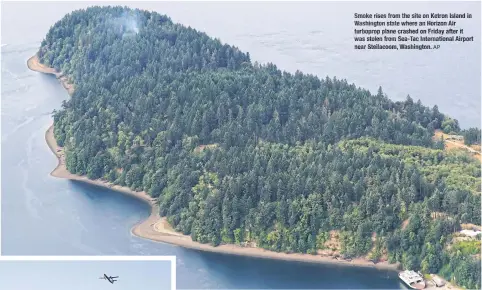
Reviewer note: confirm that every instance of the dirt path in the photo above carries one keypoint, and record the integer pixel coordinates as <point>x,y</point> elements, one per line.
<point>451,144</point>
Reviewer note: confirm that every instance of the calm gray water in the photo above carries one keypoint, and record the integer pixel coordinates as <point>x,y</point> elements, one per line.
<point>43,215</point>
<point>81,275</point>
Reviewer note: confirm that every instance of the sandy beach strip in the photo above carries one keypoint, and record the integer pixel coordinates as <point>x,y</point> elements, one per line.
<point>156,228</point>
<point>34,64</point>
<point>61,171</point>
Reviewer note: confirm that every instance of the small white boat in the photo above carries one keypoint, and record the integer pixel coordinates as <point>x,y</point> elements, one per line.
<point>412,279</point>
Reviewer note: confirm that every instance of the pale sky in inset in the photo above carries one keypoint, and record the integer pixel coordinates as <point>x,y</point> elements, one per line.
<point>77,275</point>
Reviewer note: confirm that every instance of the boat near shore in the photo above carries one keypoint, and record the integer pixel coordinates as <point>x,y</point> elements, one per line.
<point>412,279</point>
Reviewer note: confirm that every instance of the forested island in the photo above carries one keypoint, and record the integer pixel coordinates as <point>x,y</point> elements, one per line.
<point>237,152</point>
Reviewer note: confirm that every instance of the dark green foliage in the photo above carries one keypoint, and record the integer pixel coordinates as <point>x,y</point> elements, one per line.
<point>450,126</point>
<point>471,136</point>
<point>149,93</point>
<point>458,170</point>
<point>462,269</point>
<point>470,247</point>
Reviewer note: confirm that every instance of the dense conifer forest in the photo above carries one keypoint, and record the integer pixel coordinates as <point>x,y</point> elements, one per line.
<point>238,152</point>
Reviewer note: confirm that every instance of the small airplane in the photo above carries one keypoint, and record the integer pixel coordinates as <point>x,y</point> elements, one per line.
<point>109,278</point>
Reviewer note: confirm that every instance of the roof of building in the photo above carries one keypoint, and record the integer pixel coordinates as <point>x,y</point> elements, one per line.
<point>470,233</point>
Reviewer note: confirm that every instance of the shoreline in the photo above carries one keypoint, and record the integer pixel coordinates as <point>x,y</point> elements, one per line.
<point>157,229</point>
<point>34,64</point>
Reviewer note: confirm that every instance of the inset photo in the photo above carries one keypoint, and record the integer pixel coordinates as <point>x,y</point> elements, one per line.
<point>88,272</point>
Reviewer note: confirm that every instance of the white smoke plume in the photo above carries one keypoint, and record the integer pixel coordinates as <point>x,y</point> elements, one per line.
<point>127,24</point>
<point>131,23</point>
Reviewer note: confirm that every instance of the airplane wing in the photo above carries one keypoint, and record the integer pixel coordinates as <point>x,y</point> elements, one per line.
<point>110,280</point>
<point>114,277</point>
